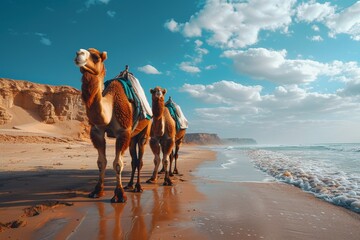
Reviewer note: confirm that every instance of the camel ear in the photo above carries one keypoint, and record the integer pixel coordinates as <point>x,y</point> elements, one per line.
<point>104,56</point>
<point>164,91</point>
<point>152,90</point>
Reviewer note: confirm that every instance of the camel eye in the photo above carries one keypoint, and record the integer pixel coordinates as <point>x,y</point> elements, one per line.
<point>95,58</point>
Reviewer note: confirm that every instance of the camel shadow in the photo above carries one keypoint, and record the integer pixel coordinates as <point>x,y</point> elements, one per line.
<point>23,189</point>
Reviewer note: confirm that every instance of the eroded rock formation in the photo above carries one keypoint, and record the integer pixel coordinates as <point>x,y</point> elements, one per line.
<point>48,103</point>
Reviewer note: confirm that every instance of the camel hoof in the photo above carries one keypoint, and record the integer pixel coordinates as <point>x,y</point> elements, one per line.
<point>176,171</point>
<point>161,171</point>
<point>171,174</point>
<point>138,188</point>
<point>119,196</point>
<point>115,199</point>
<point>151,180</point>
<point>96,194</point>
<point>98,191</point>
<point>129,187</point>
<point>168,182</point>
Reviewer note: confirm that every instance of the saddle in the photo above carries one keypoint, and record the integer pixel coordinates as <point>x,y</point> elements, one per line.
<point>135,95</point>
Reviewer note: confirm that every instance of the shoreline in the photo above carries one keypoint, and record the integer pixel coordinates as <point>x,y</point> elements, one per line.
<point>193,208</point>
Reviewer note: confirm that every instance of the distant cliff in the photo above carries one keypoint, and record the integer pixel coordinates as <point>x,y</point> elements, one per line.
<point>214,139</point>
<point>202,138</point>
<point>239,141</point>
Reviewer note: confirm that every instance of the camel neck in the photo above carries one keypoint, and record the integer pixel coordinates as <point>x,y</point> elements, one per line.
<point>158,107</point>
<point>91,89</point>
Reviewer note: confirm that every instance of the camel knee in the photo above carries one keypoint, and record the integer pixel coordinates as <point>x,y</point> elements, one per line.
<point>165,162</point>
<point>118,167</point>
<point>154,142</point>
<point>101,164</point>
<point>155,146</point>
<point>156,160</point>
<point>143,141</point>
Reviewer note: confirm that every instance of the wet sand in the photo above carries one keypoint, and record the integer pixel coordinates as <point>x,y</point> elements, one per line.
<point>54,179</point>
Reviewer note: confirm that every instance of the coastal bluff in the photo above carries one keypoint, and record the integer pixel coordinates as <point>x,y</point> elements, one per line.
<point>239,141</point>
<point>214,139</point>
<point>202,139</point>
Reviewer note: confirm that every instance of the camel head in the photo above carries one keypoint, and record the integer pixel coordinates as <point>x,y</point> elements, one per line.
<point>91,61</point>
<point>158,93</point>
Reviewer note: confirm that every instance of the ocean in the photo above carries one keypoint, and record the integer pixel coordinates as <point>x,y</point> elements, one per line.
<point>329,171</point>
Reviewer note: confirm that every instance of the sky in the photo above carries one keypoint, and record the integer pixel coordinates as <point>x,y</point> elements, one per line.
<point>278,71</point>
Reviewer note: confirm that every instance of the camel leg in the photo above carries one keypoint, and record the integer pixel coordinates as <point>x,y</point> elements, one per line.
<point>155,148</point>
<point>98,139</point>
<point>171,162</point>
<point>122,143</point>
<point>167,146</point>
<point>133,155</point>
<point>162,170</point>
<point>139,162</point>
<point>176,155</point>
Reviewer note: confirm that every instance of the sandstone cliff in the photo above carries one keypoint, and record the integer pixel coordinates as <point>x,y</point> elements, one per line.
<point>22,102</point>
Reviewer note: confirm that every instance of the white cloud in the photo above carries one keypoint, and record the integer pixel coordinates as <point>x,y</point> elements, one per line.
<point>346,21</point>
<point>316,38</point>
<point>237,24</point>
<point>195,59</point>
<point>211,67</point>
<point>234,24</point>
<point>188,67</point>
<point>315,28</point>
<point>148,69</point>
<point>313,11</point>
<point>111,13</point>
<point>286,114</point>
<point>89,3</point>
<point>172,25</point>
<point>264,64</point>
<point>43,39</point>
<point>199,51</point>
<point>227,92</point>
<point>271,65</point>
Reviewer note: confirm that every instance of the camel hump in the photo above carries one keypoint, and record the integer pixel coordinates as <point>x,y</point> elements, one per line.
<point>135,94</point>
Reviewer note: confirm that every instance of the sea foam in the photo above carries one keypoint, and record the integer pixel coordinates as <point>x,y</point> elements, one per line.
<point>319,177</point>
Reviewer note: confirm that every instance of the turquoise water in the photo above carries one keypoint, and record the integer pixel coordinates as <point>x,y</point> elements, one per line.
<point>329,171</point>
<point>231,165</point>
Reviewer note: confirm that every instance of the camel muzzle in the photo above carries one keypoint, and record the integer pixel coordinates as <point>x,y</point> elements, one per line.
<point>81,57</point>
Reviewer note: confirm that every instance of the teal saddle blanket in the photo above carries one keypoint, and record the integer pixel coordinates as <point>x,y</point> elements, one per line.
<point>132,97</point>
<point>172,110</point>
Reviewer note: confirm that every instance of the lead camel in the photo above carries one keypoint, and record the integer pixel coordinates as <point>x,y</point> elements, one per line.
<point>110,111</point>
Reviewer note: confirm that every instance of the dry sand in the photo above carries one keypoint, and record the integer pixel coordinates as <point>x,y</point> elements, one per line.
<point>45,179</point>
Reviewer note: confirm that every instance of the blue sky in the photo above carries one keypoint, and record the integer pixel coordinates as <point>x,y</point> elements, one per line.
<point>281,71</point>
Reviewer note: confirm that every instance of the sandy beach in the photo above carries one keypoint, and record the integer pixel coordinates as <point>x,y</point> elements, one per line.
<point>45,181</point>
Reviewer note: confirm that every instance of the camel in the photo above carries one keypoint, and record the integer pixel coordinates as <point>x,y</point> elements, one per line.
<point>180,134</point>
<point>109,111</point>
<point>163,136</point>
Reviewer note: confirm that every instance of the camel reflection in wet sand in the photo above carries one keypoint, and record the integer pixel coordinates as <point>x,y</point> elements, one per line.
<point>144,214</point>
